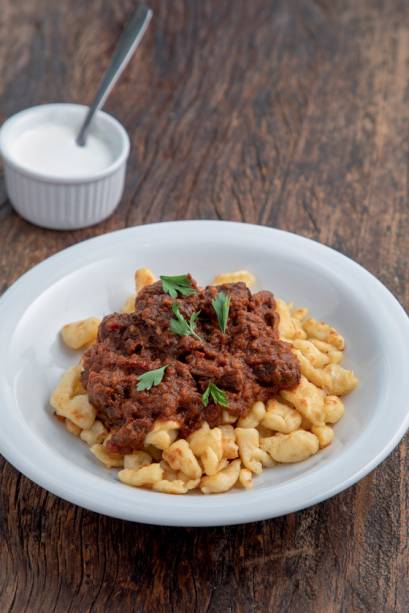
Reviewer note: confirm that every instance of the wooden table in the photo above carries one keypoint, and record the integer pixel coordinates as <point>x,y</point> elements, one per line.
<point>292,114</point>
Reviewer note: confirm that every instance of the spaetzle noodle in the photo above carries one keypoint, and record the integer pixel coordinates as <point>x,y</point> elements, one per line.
<point>290,427</point>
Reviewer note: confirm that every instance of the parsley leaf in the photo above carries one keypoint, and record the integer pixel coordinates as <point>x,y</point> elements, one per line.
<point>150,378</point>
<point>179,284</point>
<point>218,395</point>
<point>182,327</point>
<point>221,305</point>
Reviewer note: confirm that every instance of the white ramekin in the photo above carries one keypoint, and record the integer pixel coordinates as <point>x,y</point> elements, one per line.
<point>59,202</point>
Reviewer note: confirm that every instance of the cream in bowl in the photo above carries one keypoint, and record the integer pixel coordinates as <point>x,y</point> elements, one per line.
<point>51,146</point>
<point>53,182</point>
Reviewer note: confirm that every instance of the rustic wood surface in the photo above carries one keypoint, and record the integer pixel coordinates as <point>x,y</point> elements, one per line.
<point>292,114</point>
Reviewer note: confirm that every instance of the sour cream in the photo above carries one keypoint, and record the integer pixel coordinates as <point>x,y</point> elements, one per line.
<point>50,149</point>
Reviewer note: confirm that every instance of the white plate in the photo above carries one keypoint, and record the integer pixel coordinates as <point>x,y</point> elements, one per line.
<point>95,277</point>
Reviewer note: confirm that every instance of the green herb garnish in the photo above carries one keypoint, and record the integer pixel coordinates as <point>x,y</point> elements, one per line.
<point>181,326</point>
<point>221,305</point>
<point>218,395</point>
<point>181,284</point>
<point>150,378</point>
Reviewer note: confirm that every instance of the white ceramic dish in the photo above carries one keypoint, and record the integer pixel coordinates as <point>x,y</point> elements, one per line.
<point>94,277</point>
<point>62,202</point>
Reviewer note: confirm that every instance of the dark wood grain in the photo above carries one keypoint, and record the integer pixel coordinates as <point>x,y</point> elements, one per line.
<point>293,114</point>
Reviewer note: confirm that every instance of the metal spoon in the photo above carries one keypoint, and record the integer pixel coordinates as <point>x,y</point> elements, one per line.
<point>130,39</point>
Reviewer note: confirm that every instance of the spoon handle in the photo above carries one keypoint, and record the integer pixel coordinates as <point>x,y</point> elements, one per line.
<point>130,39</point>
